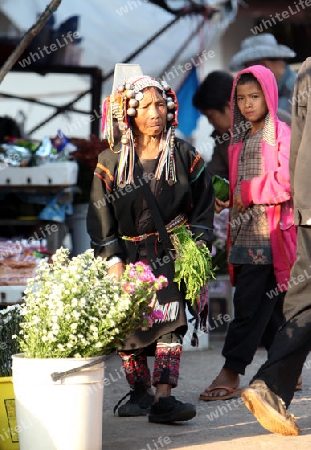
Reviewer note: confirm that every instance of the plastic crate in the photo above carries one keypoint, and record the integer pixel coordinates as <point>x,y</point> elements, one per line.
<point>11,294</point>
<point>53,174</point>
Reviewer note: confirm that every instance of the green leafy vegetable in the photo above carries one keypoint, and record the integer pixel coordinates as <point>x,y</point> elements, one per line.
<point>193,263</point>
<point>221,188</point>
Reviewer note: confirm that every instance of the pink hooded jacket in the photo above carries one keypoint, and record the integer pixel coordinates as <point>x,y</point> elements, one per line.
<point>272,188</point>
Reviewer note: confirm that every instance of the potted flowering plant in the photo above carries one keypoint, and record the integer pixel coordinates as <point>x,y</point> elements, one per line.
<point>73,314</point>
<point>73,309</point>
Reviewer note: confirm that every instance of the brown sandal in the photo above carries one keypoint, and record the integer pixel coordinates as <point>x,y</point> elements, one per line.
<point>231,393</point>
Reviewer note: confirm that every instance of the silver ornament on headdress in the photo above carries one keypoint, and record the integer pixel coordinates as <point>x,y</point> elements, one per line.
<point>140,83</point>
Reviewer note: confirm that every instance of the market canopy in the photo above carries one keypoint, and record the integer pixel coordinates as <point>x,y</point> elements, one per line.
<point>165,40</point>
<point>112,30</point>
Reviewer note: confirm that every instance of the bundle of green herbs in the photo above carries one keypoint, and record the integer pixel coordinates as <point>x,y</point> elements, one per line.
<point>193,263</point>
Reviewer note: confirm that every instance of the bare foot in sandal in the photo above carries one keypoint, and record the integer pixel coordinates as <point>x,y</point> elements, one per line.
<point>224,386</point>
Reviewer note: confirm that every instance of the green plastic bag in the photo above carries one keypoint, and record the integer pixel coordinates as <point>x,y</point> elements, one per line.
<point>221,188</point>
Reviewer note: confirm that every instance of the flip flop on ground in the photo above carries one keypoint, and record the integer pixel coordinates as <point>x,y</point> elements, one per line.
<point>210,398</point>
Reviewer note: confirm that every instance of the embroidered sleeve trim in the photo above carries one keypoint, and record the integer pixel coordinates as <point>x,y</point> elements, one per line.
<point>106,170</point>
<point>198,174</point>
<point>104,180</point>
<point>196,160</point>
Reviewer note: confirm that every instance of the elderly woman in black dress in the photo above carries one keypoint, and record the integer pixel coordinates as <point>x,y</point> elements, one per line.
<point>121,224</point>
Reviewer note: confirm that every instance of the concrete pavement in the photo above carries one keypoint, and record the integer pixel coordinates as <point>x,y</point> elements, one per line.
<point>219,425</point>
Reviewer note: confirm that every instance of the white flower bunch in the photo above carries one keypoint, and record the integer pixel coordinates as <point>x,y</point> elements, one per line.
<point>74,309</point>
<point>10,319</point>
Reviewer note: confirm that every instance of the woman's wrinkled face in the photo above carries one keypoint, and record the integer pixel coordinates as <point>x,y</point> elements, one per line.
<point>151,113</point>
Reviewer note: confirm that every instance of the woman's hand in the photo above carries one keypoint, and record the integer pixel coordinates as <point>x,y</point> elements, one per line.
<point>238,204</point>
<point>116,270</point>
<point>219,205</point>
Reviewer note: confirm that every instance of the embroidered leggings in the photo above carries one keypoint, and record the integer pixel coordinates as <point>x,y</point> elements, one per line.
<point>166,365</point>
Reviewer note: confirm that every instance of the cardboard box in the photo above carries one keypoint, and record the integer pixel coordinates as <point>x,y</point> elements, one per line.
<point>49,174</point>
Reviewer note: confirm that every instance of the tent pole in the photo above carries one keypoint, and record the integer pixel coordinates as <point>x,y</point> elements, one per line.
<point>182,47</point>
<point>28,37</point>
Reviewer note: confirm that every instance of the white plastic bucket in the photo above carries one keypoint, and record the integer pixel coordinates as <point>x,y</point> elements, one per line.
<point>61,415</point>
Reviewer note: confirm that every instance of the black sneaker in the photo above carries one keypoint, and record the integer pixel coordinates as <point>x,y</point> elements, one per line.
<point>269,409</point>
<point>139,403</point>
<point>168,409</point>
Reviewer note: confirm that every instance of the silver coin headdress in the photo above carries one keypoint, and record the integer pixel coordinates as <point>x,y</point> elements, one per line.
<point>120,107</point>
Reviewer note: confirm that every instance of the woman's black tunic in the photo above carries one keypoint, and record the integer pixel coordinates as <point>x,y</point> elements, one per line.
<point>114,212</point>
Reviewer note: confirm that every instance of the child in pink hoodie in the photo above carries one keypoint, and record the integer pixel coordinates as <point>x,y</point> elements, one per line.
<point>262,235</point>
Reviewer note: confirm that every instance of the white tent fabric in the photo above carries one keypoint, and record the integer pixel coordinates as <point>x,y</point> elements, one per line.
<point>112,30</point>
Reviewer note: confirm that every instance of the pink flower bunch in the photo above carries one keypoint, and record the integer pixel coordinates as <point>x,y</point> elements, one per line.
<point>139,281</point>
